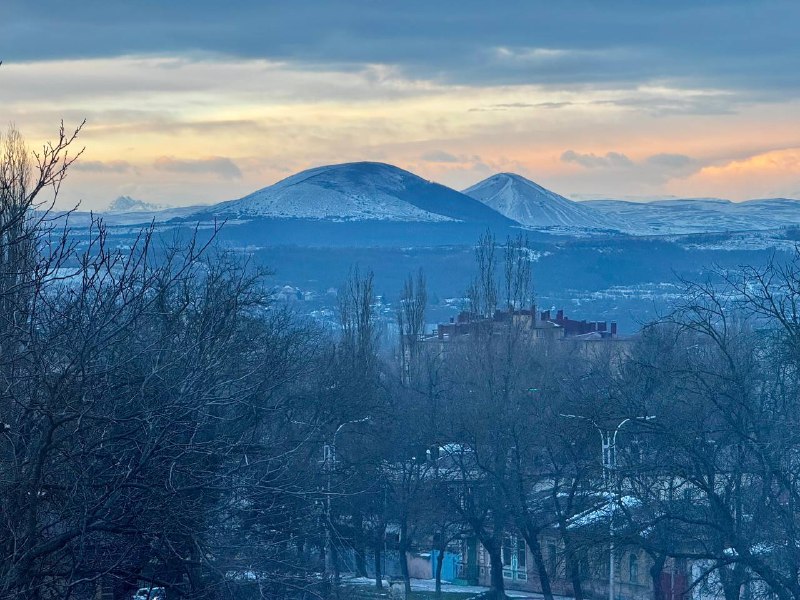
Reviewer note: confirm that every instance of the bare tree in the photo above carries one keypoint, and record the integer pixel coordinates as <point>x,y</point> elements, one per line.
<point>142,394</point>
<point>411,324</point>
<point>723,374</point>
<point>483,291</point>
<point>489,372</point>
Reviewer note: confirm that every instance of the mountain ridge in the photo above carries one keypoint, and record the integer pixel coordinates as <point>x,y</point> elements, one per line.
<point>685,216</point>
<point>361,191</point>
<point>368,193</point>
<point>532,205</point>
<point>123,204</point>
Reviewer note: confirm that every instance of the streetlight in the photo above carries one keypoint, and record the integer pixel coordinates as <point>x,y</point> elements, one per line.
<point>329,458</point>
<point>608,445</point>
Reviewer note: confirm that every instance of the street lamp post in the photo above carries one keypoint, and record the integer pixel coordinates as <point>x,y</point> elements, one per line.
<point>608,446</point>
<point>330,465</point>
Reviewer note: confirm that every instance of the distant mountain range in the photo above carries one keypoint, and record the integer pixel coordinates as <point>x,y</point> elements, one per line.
<point>609,259</point>
<point>699,215</point>
<point>371,192</point>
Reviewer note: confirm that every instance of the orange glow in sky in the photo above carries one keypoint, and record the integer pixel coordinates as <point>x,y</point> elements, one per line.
<point>187,128</point>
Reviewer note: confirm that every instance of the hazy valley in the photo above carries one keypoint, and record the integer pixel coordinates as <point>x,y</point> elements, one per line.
<point>610,259</point>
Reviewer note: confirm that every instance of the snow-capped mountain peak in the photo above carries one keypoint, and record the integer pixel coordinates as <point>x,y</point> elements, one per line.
<point>361,191</point>
<point>532,205</point>
<point>124,204</point>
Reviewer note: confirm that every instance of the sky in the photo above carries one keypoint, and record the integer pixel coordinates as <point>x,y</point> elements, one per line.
<point>198,102</point>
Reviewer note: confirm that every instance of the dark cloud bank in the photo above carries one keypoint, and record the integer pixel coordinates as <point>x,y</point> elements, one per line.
<point>750,47</point>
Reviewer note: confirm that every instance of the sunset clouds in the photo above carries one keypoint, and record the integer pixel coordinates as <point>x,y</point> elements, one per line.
<point>198,108</point>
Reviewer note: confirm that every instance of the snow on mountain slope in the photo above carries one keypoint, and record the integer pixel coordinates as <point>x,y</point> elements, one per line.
<point>701,215</point>
<point>363,191</point>
<point>128,204</point>
<point>534,206</point>
<point>134,217</point>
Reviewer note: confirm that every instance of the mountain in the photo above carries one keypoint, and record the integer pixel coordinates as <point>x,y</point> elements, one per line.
<point>128,204</point>
<point>532,205</point>
<point>700,215</point>
<point>362,191</point>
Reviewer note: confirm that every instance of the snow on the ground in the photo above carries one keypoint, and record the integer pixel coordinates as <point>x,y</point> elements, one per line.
<point>429,585</point>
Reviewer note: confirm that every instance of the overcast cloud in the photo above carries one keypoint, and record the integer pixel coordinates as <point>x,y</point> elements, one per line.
<point>733,44</point>
<point>686,97</point>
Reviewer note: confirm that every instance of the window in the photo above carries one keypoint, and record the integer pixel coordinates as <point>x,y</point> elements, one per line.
<point>515,558</point>
<point>633,568</point>
<point>522,557</point>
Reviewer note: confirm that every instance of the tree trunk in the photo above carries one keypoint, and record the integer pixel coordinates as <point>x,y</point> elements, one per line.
<point>403,548</point>
<point>439,564</point>
<point>571,560</point>
<point>359,545</point>
<point>655,576</point>
<point>731,584</point>
<point>378,573</point>
<point>532,540</point>
<point>335,560</point>
<point>497,583</point>
<point>575,577</point>
<point>361,564</point>
<point>404,572</point>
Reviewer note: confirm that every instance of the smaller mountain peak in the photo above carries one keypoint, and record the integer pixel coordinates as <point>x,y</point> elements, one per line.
<point>128,204</point>
<point>517,178</point>
<point>532,205</point>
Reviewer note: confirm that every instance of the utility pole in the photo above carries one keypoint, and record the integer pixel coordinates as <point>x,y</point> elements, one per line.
<point>608,447</point>
<point>329,458</point>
